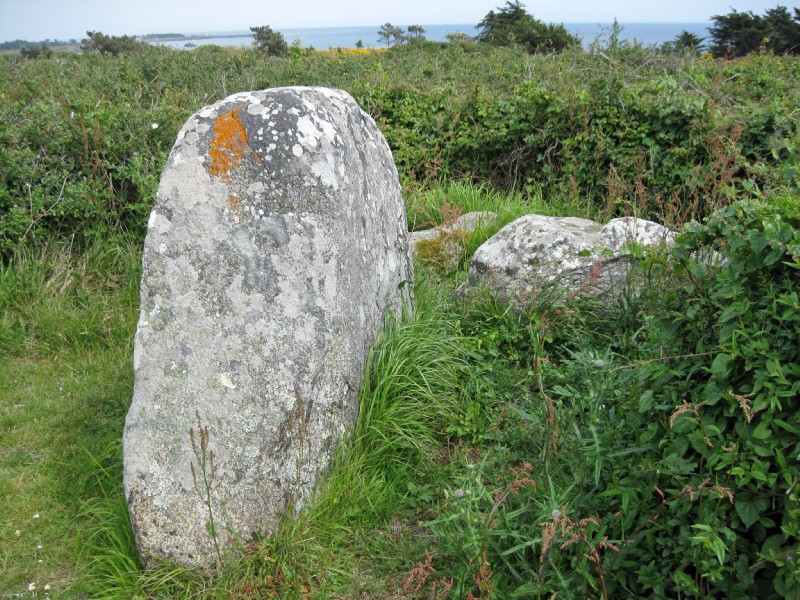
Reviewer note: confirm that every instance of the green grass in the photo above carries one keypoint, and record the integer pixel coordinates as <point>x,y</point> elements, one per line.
<point>431,207</point>
<point>65,381</point>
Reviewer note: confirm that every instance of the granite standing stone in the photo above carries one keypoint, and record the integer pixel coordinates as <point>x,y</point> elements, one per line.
<point>276,246</point>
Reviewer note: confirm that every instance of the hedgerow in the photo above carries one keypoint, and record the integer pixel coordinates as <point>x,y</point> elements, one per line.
<point>84,138</point>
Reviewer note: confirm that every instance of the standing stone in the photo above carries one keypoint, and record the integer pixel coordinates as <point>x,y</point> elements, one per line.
<point>277,243</point>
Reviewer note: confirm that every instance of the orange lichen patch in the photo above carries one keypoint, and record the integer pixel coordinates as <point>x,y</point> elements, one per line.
<point>228,145</point>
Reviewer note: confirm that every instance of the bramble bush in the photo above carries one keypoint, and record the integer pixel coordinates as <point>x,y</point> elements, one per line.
<point>641,133</point>
<point>735,423</point>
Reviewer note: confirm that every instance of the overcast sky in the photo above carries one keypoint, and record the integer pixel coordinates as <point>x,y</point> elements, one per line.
<point>36,20</point>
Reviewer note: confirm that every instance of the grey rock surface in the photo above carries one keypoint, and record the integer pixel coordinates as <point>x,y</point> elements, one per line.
<point>276,246</point>
<point>467,222</point>
<point>569,254</point>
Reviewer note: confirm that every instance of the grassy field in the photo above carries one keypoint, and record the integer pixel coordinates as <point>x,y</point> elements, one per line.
<point>66,380</point>
<point>642,447</point>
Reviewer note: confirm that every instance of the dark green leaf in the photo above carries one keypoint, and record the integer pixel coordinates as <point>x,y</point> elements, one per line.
<point>747,512</point>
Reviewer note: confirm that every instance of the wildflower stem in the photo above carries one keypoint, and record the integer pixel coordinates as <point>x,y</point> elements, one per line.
<point>205,460</point>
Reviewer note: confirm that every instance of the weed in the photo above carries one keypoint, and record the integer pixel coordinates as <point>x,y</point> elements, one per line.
<point>298,425</point>
<point>207,469</point>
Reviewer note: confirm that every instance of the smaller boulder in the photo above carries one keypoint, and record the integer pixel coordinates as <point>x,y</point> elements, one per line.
<point>444,245</point>
<point>466,223</point>
<point>537,252</point>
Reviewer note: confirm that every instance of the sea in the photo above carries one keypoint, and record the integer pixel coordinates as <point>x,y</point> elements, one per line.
<point>323,38</point>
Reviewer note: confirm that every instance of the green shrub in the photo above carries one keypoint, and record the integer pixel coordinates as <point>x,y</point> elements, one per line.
<point>646,447</point>
<point>735,424</point>
<point>271,43</point>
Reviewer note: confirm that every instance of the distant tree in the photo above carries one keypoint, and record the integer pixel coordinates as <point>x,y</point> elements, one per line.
<point>385,34</point>
<point>40,51</point>
<point>458,36</point>
<point>690,41</point>
<point>359,44</point>
<point>416,34</point>
<point>272,43</point>
<point>685,41</point>
<point>512,25</point>
<point>110,44</point>
<point>782,30</point>
<point>391,35</point>
<point>740,33</point>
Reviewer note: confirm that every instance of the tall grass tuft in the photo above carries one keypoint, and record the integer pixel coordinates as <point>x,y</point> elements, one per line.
<point>409,396</point>
<point>107,541</point>
<point>53,299</point>
<point>429,207</point>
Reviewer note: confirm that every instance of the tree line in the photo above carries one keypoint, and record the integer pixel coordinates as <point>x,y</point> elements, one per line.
<point>20,44</point>
<point>731,35</point>
<point>392,36</point>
